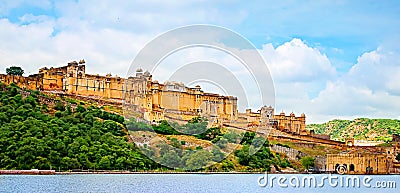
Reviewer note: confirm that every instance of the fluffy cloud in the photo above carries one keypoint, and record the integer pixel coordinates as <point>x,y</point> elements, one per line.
<point>305,81</point>
<point>369,89</point>
<point>378,70</point>
<point>295,61</point>
<point>105,50</point>
<point>299,72</point>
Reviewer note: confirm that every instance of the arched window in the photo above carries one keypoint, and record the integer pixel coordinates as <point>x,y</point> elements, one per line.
<point>352,168</point>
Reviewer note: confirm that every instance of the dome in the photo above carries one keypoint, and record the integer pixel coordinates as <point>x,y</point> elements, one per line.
<point>147,73</point>
<point>139,70</point>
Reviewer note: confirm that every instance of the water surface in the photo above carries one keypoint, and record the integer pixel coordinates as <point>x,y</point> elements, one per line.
<point>171,183</point>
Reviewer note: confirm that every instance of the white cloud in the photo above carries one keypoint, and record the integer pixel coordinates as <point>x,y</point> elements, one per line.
<point>299,72</point>
<point>370,89</point>
<point>305,81</point>
<point>104,50</point>
<point>295,61</point>
<point>378,70</point>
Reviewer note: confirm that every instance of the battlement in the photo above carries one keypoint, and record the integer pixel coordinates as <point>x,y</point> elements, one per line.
<point>151,98</point>
<point>147,96</point>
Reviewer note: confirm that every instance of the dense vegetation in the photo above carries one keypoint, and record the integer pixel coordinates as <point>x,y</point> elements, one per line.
<point>360,129</point>
<point>197,126</point>
<point>59,137</point>
<point>176,156</point>
<point>262,159</point>
<point>81,138</point>
<point>307,162</point>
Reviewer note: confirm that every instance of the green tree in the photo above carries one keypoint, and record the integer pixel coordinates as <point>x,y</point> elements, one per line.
<point>120,163</point>
<point>41,163</point>
<point>105,162</point>
<point>164,128</point>
<point>59,106</point>
<point>247,137</point>
<point>243,155</point>
<point>218,155</point>
<point>222,143</point>
<point>231,136</point>
<point>262,159</point>
<point>80,109</point>
<point>209,134</point>
<point>65,163</point>
<point>171,159</point>
<point>227,165</point>
<point>198,160</point>
<point>15,71</point>
<point>196,125</point>
<point>307,162</point>
<point>398,157</point>
<point>133,125</point>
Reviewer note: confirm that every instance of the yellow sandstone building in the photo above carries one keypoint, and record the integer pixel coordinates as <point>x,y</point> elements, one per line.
<point>359,162</point>
<point>152,100</point>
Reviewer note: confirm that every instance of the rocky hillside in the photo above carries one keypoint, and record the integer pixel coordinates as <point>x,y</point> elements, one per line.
<point>360,129</point>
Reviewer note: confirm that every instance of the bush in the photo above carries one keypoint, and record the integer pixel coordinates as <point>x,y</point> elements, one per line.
<point>59,106</point>
<point>283,145</point>
<point>132,125</point>
<point>58,114</point>
<point>247,138</point>
<point>210,134</point>
<point>307,162</point>
<point>232,137</point>
<point>164,128</point>
<point>80,109</point>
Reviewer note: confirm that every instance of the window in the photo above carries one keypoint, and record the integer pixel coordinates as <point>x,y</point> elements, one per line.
<point>352,168</point>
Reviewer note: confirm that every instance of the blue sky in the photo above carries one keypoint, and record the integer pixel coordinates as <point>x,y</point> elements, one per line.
<point>345,53</point>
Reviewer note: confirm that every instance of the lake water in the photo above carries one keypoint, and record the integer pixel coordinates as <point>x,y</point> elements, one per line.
<point>183,183</point>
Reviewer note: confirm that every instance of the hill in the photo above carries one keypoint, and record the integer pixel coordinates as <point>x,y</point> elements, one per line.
<point>360,129</point>
<point>34,135</point>
<point>71,134</point>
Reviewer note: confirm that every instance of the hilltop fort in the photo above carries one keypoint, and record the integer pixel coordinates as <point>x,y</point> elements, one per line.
<point>153,101</point>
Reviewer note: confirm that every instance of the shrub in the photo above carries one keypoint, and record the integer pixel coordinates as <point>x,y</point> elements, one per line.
<point>59,106</point>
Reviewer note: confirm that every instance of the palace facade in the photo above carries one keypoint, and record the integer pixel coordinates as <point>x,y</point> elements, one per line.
<point>359,162</point>
<point>151,100</point>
